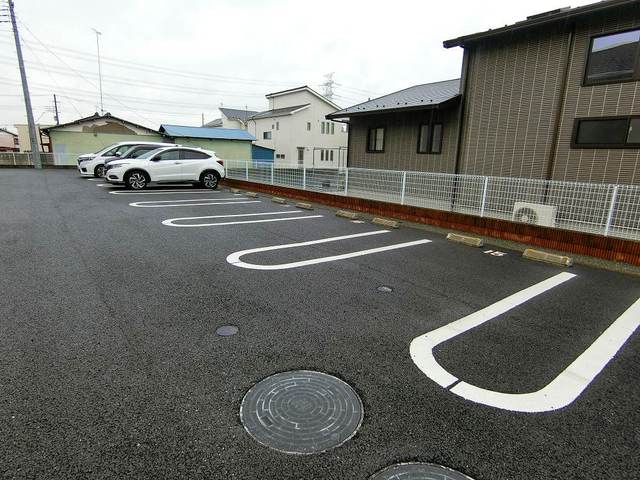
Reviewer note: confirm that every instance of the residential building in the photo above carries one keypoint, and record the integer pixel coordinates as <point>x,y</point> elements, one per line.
<point>555,96</point>
<point>24,141</point>
<point>228,143</point>
<point>296,128</point>
<point>413,129</point>
<point>93,133</point>
<point>8,141</point>
<point>231,118</point>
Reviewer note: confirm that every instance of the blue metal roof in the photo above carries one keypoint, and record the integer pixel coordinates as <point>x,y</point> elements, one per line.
<point>204,132</point>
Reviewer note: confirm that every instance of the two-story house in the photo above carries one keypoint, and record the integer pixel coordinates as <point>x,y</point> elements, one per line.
<point>555,96</point>
<point>231,118</point>
<point>296,128</point>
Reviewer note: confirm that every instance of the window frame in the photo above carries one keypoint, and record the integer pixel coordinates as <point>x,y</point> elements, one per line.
<point>267,135</point>
<point>636,71</point>
<point>308,126</point>
<point>384,128</point>
<point>602,146</point>
<point>430,130</point>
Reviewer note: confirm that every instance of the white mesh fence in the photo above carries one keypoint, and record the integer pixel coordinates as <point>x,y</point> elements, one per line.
<point>20,159</point>
<point>611,210</point>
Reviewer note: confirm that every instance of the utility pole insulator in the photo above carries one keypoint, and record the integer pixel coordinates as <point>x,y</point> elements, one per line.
<point>33,134</point>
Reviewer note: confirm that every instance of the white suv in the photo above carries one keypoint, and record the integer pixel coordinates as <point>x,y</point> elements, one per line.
<point>93,164</point>
<point>167,164</point>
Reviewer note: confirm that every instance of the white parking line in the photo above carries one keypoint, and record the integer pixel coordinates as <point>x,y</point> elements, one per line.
<point>162,192</point>
<point>234,258</point>
<point>171,221</point>
<point>184,202</point>
<point>561,391</point>
<point>96,179</point>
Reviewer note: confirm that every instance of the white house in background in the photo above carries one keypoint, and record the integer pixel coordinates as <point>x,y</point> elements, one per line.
<point>231,118</point>
<point>296,128</point>
<point>8,141</point>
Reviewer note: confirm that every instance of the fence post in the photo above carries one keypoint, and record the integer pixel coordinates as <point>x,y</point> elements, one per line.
<point>14,158</point>
<point>346,181</point>
<point>484,196</point>
<point>272,174</point>
<point>246,170</point>
<point>404,183</point>
<point>304,178</point>
<point>612,207</point>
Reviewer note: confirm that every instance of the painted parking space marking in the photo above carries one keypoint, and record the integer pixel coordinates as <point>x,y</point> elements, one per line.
<point>96,179</point>
<point>234,258</point>
<point>561,391</point>
<point>171,221</point>
<point>189,202</point>
<point>162,192</point>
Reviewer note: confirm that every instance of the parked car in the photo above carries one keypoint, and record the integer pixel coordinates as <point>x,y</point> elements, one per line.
<point>167,165</point>
<point>93,164</point>
<point>136,151</point>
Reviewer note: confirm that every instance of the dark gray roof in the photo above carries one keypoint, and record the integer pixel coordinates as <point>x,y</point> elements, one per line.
<point>237,114</point>
<point>279,112</point>
<point>419,96</point>
<point>214,123</point>
<point>97,116</point>
<point>545,18</point>
<point>7,131</point>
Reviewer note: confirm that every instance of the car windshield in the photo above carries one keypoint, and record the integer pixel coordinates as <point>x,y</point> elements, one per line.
<point>150,154</point>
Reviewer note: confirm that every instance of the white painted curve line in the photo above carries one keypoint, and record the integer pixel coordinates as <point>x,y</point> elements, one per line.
<point>163,192</point>
<point>184,203</point>
<point>171,221</point>
<point>234,258</point>
<point>561,391</point>
<point>96,179</point>
<point>268,220</point>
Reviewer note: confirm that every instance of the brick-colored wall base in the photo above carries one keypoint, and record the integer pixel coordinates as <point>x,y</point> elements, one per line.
<point>614,249</point>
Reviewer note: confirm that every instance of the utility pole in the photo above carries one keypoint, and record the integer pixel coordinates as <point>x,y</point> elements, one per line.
<point>99,69</point>
<point>203,119</point>
<point>33,136</point>
<point>55,109</point>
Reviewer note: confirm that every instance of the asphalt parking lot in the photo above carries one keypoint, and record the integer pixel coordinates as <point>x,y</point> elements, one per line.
<point>111,366</point>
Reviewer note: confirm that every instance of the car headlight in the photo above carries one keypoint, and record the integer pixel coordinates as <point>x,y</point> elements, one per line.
<point>118,165</point>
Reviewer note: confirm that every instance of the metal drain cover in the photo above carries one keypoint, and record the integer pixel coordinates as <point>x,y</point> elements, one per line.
<point>227,330</point>
<point>301,412</point>
<point>418,471</point>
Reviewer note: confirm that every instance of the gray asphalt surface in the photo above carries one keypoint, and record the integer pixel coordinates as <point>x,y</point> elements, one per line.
<point>110,366</point>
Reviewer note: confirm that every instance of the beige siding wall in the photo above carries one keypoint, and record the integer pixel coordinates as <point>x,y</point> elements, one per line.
<point>513,92</point>
<point>401,142</point>
<point>597,165</point>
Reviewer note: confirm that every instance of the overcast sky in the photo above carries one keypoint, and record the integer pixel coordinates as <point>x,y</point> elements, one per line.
<point>169,62</point>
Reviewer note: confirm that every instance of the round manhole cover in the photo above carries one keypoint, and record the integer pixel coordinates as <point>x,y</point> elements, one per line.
<point>301,412</point>
<point>418,471</point>
<point>385,288</point>
<point>227,330</point>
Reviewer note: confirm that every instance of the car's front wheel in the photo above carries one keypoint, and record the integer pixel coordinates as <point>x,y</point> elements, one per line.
<point>210,179</point>
<point>136,180</point>
<point>99,171</point>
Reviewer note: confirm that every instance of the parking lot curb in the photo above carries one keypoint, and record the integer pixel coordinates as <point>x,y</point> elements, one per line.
<point>251,194</point>
<point>540,256</point>
<point>465,240</point>
<point>346,214</point>
<point>385,222</point>
<point>306,206</point>
<point>235,190</point>
<point>278,200</point>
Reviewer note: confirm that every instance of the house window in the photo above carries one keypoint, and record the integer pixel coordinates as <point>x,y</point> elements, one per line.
<point>308,126</point>
<point>322,127</point>
<point>300,155</point>
<point>277,125</point>
<point>616,132</point>
<point>322,155</point>
<point>430,138</point>
<point>266,135</point>
<point>331,155</point>
<point>375,140</point>
<point>332,128</point>
<point>280,156</point>
<point>613,58</point>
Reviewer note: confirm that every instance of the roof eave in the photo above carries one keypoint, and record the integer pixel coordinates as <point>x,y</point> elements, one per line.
<point>536,22</point>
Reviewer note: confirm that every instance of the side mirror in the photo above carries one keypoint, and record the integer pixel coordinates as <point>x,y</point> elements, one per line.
<point>118,154</point>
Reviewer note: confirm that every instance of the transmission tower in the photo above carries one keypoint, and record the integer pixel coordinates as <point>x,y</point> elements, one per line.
<point>328,85</point>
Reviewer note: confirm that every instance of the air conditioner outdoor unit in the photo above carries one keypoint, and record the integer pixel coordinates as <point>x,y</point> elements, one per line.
<point>535,214</point>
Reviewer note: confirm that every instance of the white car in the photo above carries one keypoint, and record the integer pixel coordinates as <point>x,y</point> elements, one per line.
<point>93,164</point>
<point>168,165</point>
